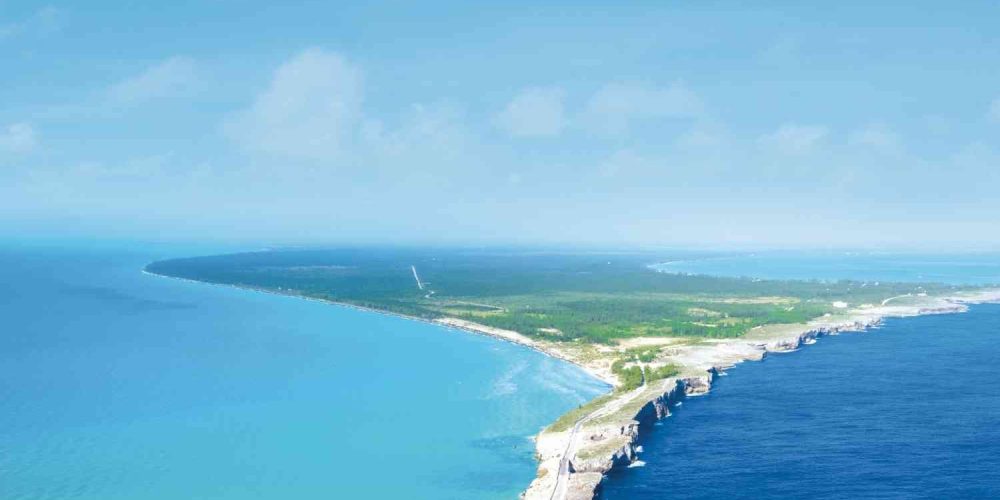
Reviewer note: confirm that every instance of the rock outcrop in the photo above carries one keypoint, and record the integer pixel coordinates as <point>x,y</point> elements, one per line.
<point>611,440</point>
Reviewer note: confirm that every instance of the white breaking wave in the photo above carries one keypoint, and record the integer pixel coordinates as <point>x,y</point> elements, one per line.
<point>504,384</point>
<point>567,379</point>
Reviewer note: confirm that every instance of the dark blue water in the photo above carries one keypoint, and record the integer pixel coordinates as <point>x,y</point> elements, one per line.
<point>911,410</point>
<point>908,411</point>
<point>120,385</point>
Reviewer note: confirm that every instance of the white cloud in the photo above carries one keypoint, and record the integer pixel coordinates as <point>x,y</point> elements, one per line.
<point>613,107</point>
<point>44,21</point>
<point>937,124</point>
<point>625,162</point>
<point>699,137</point>
<point>159,80</point>
<point>784,50</point>
<point>311,109</point>
<point>312,112</point>
<point>994,112</point>
<point>979,159</point>
<point>145,167</point>
<point>48,20</point>
<point>875,135</point>
<point>534,112</point>
<point>791,138</point>
<point>18,138</point>
<point>434,127</point>
<point>430,142</point>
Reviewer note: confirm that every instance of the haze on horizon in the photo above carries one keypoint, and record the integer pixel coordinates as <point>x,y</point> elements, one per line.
<point>653,123</point>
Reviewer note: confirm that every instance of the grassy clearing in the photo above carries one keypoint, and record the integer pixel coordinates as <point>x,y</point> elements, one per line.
<point>570,418</point>
<point>630,409</point>
<point>604,449</point>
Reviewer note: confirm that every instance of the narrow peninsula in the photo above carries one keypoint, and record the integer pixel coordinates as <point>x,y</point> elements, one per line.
<point>655,337</point>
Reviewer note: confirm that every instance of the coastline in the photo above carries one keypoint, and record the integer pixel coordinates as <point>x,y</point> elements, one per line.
<point>454,324</point>
<point>572,463</point>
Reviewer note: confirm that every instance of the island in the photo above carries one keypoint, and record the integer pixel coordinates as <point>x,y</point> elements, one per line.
<point>655,337</point>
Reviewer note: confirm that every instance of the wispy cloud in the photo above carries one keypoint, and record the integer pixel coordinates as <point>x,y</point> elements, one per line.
<point>792,138</point>
<point>311,109</point>
<point>42,22</point>
<point>615,106</point>
<point>875,135</point>
<point>18,138</point>
<point>162,79</point>
<point>428,134</point>
<point>534,112</point>
<point>700,137</point>
<point>994,111</point>
<point>145,167</point>
<point>623,162</point>
<point>782,51</point>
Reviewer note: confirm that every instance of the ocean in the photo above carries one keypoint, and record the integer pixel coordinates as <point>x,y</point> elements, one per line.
<point>908,410</point>
<point>116,384</point>
<point>981,268</point>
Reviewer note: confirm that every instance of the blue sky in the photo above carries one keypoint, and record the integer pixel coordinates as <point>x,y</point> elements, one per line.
<point>703,124</point>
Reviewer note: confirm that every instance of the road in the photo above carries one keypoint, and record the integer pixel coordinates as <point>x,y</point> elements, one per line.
<point>419,284</point>
<point>562,477</point>
<point>886,301</point>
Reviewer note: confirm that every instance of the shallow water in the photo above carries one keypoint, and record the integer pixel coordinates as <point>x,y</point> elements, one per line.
<point>969,268</point>
<point>119,385</point>
<point>909,410</point>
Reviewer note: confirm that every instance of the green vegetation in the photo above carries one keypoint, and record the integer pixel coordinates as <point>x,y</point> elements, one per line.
<point>596,298</point>
<point>603,449</point>
<point>635,375</point>
<point>662,372</point>
<point>629,377</point>
<point>566,421</point>
<point>644,354</point>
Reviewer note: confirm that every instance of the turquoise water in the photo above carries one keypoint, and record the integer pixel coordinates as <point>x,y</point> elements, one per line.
<point>971,268</point>
<point>909,410</point>
<point>119,385</point>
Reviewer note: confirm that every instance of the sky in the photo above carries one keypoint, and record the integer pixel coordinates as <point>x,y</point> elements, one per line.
<point>670,123</point>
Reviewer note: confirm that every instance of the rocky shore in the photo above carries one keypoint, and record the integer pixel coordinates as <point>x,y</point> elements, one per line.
<point>574,462</point>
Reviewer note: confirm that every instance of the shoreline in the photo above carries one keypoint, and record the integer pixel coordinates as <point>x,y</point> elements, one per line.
<point>573,463</point>
<point>604,440</point>
<point>453,324</point>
